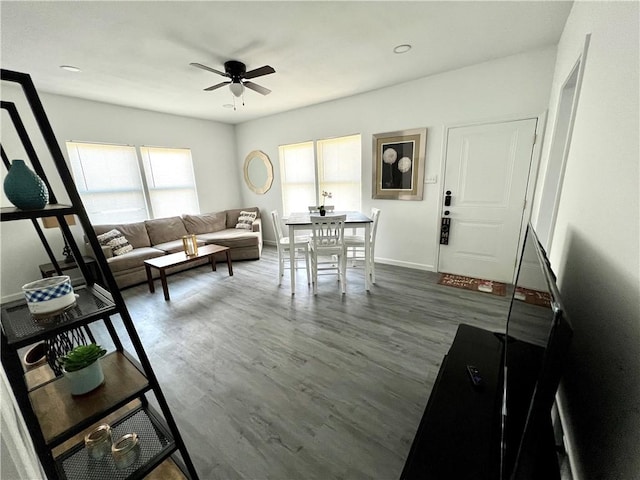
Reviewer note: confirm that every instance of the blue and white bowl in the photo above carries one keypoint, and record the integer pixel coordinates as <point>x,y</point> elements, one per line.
<point>49,295</point>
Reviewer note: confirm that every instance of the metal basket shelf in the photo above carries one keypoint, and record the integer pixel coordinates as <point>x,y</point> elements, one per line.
<point>156,444</point>
<point>21,328</point>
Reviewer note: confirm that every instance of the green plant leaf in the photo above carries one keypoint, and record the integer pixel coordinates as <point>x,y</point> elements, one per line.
<point>81,356</point>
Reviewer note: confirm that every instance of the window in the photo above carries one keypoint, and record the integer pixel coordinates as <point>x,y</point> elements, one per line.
<point>332,165</point>
<point>170,181</point>
<point>339,171</point>
<point>297,172</point>
<point>109,182</point>
<point>116,188</point>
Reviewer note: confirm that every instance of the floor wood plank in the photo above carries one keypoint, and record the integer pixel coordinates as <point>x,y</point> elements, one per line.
<point>264,385</point>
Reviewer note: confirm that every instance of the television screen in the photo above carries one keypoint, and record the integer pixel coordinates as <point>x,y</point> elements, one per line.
<point>537,338</point>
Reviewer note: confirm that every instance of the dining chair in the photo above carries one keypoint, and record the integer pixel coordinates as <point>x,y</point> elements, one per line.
<point>300,244</point>
<point>328,254</point>
<point>355,245</point>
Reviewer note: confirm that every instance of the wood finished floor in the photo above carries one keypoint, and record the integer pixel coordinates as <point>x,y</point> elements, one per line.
<point>266,386</point>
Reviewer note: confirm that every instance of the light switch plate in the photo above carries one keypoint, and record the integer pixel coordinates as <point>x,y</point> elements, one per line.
<point>433,179</point>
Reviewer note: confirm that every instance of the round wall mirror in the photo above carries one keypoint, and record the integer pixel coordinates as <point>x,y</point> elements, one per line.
<point>258,172</point>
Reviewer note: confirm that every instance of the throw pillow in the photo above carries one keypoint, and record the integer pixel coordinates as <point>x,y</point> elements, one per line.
<point>116,241</point>
<point>246,219</point>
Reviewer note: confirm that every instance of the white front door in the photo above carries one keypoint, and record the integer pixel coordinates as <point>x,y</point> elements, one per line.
<point>486,176</point>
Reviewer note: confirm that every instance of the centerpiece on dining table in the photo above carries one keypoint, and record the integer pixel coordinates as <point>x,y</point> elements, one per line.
<point>325,195</point>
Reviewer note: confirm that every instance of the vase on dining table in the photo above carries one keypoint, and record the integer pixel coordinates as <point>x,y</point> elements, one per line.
<point>322,211</point>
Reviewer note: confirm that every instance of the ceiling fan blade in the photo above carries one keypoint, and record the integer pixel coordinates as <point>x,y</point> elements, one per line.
<point>216,86</point>
<point>258,72</point>
<point>204,67</point>
<point>257,88</point>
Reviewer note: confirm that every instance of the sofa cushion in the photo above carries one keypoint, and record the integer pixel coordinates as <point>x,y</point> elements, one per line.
<point>234,214</point>
<point>205,222</point>
<point>245,220</point>
<point>164,230</point>
<point>115,240</point>
<point>232,238</point>
<point>133,259</point>
<point>135,233</point>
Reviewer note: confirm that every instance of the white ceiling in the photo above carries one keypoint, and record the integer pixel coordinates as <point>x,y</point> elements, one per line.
<point>138,53</point>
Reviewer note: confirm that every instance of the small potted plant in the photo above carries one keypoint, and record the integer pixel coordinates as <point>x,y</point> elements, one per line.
<point>325,195</point>
<point>83,369</point>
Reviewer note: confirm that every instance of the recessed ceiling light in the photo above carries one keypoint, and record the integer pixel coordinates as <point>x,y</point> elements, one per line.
<point>404,48</point>
<point>228,105</point>
<point>70,68</point>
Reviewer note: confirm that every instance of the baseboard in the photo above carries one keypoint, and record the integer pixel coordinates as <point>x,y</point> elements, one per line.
<point>399,263</point>
<point>13,297</point>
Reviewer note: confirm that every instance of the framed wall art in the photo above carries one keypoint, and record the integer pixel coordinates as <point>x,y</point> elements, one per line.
<point>398,164</point>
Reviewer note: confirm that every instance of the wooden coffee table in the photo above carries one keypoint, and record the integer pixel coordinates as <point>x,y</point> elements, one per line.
<point>180,258</point>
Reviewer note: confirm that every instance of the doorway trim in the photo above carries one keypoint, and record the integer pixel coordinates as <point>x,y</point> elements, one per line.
<point>531,183</point>
<point>551,188</point>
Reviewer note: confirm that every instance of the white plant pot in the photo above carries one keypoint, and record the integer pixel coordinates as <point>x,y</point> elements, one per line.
<point>85,380</point>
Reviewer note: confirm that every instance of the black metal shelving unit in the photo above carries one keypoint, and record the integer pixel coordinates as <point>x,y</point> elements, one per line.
<point>56,420</point>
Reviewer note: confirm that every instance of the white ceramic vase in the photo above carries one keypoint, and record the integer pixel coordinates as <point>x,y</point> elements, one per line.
<point>85,380</point>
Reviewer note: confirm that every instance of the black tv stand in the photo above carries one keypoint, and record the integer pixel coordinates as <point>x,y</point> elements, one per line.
<point>459,435</point>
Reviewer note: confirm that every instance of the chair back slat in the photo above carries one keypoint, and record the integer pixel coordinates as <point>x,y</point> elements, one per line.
<point>328,231</point>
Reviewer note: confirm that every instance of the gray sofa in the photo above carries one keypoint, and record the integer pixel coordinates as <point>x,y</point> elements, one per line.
<point>154,238</point>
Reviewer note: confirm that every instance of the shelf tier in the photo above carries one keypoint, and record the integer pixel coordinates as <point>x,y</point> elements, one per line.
<point>62,415</point>
<point>21,329</point>
<point>14,213</point>
<point>156,445</point>
<point>167,470</point>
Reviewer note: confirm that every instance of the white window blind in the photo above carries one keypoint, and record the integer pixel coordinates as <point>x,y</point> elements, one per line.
<point>109,182</point>
<point>339,171</point>
<point>336,168</point>
<point>297,172</point>
<point>170,181</point>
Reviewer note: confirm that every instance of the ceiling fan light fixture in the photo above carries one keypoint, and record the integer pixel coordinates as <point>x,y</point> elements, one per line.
<point>236,88</point>
<point>70,68</point>
<point>404,48</point>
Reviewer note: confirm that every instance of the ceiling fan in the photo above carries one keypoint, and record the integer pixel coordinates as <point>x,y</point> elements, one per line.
<point>237,72</point>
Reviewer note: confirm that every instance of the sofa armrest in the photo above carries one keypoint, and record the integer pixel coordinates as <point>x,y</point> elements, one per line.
<point>107,251</point>
<point>257,225</point>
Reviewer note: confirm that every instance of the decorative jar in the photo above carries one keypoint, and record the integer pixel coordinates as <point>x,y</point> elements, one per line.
<point>98,442</point>
<point>190,244</point>
<point>24,188</point>
<point>49,296</point>
<point>125,450</point>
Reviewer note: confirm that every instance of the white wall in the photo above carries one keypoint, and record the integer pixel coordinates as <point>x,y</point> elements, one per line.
<point>212,146</point>
<point>512,86</point>
<point>595,247</point>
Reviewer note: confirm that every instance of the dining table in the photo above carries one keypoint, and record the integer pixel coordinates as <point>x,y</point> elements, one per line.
<point>302,221</point>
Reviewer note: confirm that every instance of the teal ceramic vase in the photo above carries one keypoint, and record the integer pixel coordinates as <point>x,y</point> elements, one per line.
<point>24,188</point>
